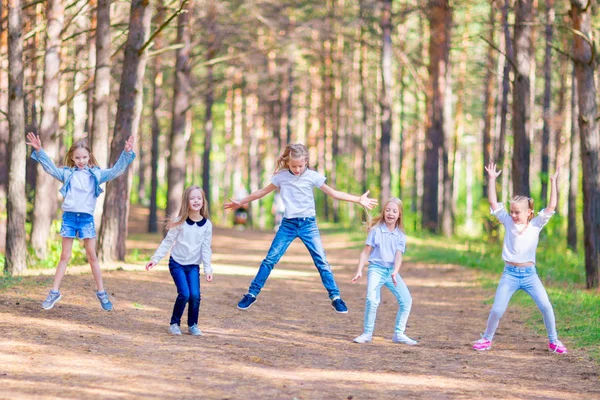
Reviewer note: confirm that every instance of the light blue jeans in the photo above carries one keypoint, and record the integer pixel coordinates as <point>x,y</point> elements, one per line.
<point>527,279</point>
<point>377,276</point>
<point>290,229</point>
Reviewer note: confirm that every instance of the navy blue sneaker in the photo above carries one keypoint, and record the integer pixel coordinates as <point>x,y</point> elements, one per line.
<point>246,301</point>
<point>339,305</point>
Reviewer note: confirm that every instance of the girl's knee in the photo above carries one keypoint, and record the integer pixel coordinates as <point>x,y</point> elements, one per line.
<point>194,297</point>
<point>184,296</point>
<point>92,257</point>
<point>497,312</point>
<point>372,302</point>
<point>65,257</point>
<point>546,307</point>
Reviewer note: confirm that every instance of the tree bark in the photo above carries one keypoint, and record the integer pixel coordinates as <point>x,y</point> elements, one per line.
<point>583,53</point>
<point>16,204</point>
<point>4,129</point>
<point>181,107</point>
<point>547,111</point>
<point>574,155</point>
<point>386,101</point>
<point>209,100</point>
<point>45,205</point>
<point>113,231</point>
<point>488,99</point>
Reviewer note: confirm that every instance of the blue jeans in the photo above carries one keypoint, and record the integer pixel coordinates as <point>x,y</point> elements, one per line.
<point>187,280</point>
<point>377,276</point>
<point>291,228</point>
<point>76,224</point>
<point>527,279</point>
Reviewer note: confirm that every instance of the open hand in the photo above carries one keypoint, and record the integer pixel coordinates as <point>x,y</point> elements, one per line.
<point>395,278</point>
<point>34,141</point>
<point>150,265</point>
<point>232,204</point>
<point>357,277</point>
<point>491,170</point>
<point>366,201</point>
<point>129,143</point>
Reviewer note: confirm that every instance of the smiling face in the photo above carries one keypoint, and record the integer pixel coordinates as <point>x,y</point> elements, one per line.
<point>80,157</point>
<point>520,212</point>
<point>391,213</point>
<point>297,165</point>
<point>196,201</point>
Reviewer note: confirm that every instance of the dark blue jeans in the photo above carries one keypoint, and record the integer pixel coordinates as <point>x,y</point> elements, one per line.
<point>290,229</point>
<point>187,280</point>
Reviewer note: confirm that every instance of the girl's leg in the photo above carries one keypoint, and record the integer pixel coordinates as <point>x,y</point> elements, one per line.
<point>404,299</point>
<point>90,251</point>
<point>61,267</point>
<point>183,291</point>
<point>376,276</point>
<point>192,275</point>
<point>507,286</point>
<point>311,237</point>
<point>284,236</point>
<point>535,288</point>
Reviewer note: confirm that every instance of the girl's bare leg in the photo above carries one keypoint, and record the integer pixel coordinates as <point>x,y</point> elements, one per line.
<point>90,251</point>
<point>61,268</point>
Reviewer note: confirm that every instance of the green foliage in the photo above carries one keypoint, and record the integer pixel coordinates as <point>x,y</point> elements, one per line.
<point>78,256</point>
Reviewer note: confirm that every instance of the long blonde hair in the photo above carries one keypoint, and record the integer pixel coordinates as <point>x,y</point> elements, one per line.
<point>80,144</point>
<point>381,217</point>
<point>184,210</point>
<point>529,200</point>
<point>294,151</point>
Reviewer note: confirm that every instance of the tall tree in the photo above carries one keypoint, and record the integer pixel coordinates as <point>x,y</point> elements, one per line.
<point>44,205</point>
<point>574,155</point>
<point>16,202</point>
<point>439,15</point>
<point>113,230</point>
<point>547,111</point>
<point>209,97</point>
<point>181,108</point>
<point>521,110</point>
<point>3,108</point>
<point>488,96</point>
<point>386,100</point>
<point>583,53</point>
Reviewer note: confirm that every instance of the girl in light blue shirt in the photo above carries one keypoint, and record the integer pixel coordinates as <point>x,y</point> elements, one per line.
<point>81,177</point>
<point>383,250</point>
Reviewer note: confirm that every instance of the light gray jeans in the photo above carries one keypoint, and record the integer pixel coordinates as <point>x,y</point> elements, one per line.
<point>527,279</point>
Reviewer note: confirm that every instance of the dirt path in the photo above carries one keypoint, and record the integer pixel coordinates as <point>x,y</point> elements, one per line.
<point>290,344</point>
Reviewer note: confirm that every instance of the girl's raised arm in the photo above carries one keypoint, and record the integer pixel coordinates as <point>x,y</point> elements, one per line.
<point>260,193</point>
<point>492,175</point>
<point>553,192</point>
<point>363,200</point>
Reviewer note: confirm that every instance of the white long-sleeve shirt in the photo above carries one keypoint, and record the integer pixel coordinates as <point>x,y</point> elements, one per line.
<point>189,244</point>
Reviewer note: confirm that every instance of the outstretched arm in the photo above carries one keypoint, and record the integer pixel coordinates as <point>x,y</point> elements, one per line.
<point>363,200</point>
<point>553,192</point>
<point>260,193</point>
<point>40,156</point>
<point>492,175</point>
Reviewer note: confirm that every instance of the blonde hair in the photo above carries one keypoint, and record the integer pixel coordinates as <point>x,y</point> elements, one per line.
<point>381,217</point>
<point>184,210</point>
<point>294,151</point>
<point>80,144</point>
<point>529,200</point>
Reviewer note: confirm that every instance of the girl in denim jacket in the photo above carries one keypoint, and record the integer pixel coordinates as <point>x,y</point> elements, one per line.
<point>518,252</point>
<point>81,177</point>
<point>296,183</point>
<point>383,251</point>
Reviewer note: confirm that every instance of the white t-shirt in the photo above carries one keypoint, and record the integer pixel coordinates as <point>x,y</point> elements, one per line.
<point>297,192</point>
<point>520,244</point>
<point>81,196</point>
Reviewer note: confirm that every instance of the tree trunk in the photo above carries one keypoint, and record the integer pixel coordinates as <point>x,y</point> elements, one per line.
<point>181,106</point>
<point>574,155</point>
<point>99,140</point>
<point>508,59</point>
<point>45,205</point>
<point>581,13</point>
<point>80,112</point>
<point>363,82</point>
<point>4,135</point>
<point>113,231</point>
<point>522,96</point>
<point>439,19</point>
<point>386,101</point>
<point>16,204</point>
<point>488,99</point>
<point>209,101</point>
<point>547,111</point>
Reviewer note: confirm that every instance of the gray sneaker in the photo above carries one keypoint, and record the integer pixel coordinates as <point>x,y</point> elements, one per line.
<point>363,338</point>
<point>402,338</point>
<point>104,301</point>
<point>194,330</point>
<point>51,300</point>
<point>174,329</point>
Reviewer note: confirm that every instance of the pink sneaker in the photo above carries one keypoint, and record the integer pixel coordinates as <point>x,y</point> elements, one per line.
<point>557,347</point>
<point>482,344</point>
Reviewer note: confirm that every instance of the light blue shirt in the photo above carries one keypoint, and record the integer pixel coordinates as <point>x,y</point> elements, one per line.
<point>385,245</point>
<point>297,192</point>
<point>81,197</point>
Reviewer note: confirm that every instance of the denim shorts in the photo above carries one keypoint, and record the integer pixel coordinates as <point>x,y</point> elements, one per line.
<point>77,225</point>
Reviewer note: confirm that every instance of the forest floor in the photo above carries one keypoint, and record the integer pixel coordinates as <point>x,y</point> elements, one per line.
<point>289,345</point>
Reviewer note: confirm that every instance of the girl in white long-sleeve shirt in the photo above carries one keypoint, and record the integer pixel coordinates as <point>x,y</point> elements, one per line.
<point>189,239</point>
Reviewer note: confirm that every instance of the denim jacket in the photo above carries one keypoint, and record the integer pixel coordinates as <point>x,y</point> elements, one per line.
<point>100,175</point>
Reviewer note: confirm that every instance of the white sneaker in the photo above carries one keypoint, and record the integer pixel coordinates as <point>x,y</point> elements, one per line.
<point>364,338</point>
<point>194,330</point>
<point>174,329</point>
<point>402,338</point>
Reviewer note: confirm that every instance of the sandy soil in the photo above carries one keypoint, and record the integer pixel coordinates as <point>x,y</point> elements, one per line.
<point>289,345</point>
